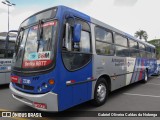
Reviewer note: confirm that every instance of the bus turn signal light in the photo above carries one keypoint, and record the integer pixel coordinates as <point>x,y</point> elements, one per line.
<point>51,82</point>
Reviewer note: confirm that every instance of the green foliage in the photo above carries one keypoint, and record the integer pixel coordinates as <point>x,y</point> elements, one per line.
<point>141,34</point>
<point>156,42</point>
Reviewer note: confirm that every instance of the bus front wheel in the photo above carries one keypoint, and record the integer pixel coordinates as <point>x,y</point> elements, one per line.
<point>101,92</point>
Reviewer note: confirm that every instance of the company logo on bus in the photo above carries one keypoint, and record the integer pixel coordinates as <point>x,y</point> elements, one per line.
<point>33,56</point>
<point>44,55</point>
<point>39,56</point>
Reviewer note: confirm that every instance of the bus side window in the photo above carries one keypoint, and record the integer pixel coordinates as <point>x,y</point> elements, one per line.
<point>10,50</point>
<point>84,45</point>
<point>104,42</point>
<point>153,52</point>
<point>2,53</point>
<point>2,49</point>
<point>10,53</point>
<point>76,55</point>
<point>122,49</point>
<point>85,42</point>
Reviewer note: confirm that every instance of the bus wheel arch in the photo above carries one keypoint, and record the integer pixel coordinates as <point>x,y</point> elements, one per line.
<point>101,90</point>
<point>108,80</point>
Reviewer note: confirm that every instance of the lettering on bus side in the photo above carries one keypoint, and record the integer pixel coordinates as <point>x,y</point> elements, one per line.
<point>118,62</point>
<point>2,62</point>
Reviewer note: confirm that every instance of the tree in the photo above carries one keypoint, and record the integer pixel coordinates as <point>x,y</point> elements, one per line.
<point>141,34</point>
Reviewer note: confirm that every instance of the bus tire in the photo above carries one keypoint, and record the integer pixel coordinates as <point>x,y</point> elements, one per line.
<point>145,77</point>
<point>101,92</point>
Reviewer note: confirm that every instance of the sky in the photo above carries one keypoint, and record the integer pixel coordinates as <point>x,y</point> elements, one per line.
<point>126,15</point>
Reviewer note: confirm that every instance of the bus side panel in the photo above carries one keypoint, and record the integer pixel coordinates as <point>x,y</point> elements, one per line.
<point>141,65</point>
<point>5,69</point>
<point>2,78</point>
<point>152,66</point>
<point>71,95</point>
<point>80,91</point>
<point>142,68</point>
<point>112,66</point>
<point>130,68</point>
<point>8,74</point>
<point>137,74</point>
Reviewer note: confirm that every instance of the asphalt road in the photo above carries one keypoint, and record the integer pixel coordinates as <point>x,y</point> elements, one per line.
<point>135,97</point>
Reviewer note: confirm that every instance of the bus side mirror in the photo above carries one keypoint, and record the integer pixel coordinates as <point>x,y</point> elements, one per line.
<point>77,33</point>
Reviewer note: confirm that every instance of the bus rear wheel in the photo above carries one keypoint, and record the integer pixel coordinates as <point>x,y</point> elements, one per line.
<point>145,77</point>
<point>101,92</point>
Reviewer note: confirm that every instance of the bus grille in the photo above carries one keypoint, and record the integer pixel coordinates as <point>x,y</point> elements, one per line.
<point>25,87</point>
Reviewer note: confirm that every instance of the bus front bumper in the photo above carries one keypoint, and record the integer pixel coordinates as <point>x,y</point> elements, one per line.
<point>43,102</point>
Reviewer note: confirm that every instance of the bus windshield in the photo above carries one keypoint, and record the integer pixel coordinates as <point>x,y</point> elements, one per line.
<point>34,47</point>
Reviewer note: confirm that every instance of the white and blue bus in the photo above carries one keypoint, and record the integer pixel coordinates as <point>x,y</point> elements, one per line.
<point>7,44</point>
<point>64,57</point>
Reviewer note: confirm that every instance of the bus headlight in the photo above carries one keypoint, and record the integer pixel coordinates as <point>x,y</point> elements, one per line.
<point>44,85</point>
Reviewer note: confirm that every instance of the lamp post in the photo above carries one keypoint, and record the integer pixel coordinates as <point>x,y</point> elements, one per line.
<point>9,4</point>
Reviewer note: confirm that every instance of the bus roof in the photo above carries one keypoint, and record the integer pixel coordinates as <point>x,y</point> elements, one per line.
<point>92,20</point>
<point>95,21</point>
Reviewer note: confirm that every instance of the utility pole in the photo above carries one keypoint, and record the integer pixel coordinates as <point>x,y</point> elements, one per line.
<point>9,4</point>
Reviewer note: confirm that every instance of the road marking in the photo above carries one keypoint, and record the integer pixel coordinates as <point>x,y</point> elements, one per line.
<point>15,118</point>
<point>141,95</point>
<point>153,84</point>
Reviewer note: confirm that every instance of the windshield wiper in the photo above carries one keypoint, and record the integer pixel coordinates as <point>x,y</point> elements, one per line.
<point>40,33</point>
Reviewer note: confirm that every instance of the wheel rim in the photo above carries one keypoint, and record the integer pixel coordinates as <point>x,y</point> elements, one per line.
<point>101,92</point>
<point>146,76</point>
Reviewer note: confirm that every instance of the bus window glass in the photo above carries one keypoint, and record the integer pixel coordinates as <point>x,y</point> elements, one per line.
<point>104,48</point>
<point>11,45</point>
<point>20,44</point>
<point>141,47</point>
<point>85,42</point>
<point>2,44</point>
<point>119,40</point>
<point>44,15</point>
<point>153,52</point>
<point>134,53</point>
<point>148,49</point>
<point>122,51</point>
<point>10,53</point>
<point>133,44</point>
<point>74,61</point>
<point>2,53</point>
<point>103,35</point>
<point>142,54</point>
<point>79,54</point>
<point>38,49</point>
